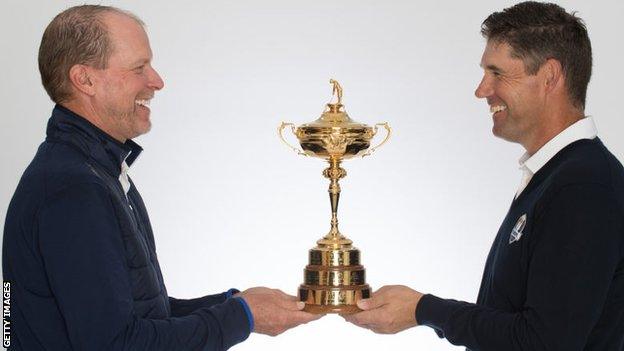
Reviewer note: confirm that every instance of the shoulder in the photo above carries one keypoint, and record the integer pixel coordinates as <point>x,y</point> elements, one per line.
<point>584,169</point>
<point>55,169</point>
<point>587,162</point>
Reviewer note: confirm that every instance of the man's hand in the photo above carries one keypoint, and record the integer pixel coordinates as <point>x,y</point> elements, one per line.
<point>390,310</point>
<point>273,311</point>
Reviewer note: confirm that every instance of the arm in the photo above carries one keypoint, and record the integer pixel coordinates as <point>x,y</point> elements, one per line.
<point>572,266</point>
<point>183,307</point>
<point>83,252</point>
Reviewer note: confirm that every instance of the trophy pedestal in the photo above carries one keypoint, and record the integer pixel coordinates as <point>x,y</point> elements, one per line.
<point>334,280</point>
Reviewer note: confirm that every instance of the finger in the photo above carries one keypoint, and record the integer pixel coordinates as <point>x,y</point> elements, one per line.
<point>364,318</point>
<point>286,296</point>
<point>378,298</point>
<point>349,317</point>
<point>288,302</point>
<point>300,317</point>
<point>355,320</point>
<point>290,305</point>
<point>297,318</point>
<point>375,301</point>
<point>366,326</point>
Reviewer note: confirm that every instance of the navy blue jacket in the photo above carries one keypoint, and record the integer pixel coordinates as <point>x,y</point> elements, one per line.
<point>81,259</point>
<point>554,281</point>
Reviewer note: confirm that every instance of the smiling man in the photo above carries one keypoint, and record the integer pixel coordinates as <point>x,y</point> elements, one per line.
<point>78,246</point>
<point>554,278</point>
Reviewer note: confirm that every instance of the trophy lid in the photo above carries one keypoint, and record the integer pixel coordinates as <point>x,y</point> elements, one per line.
<point>334,134</point>
<point>334,115</point>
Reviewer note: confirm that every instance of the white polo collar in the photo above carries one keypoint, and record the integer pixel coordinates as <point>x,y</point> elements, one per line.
<point>123,177</point>
<point>584,128</point>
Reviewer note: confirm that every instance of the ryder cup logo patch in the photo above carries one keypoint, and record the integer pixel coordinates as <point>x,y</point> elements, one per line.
<point>516,232</point>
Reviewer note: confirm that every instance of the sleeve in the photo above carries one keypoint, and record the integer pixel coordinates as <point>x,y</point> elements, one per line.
<point>183,307</point>
<point>578,247</point>
<point>83,254</point>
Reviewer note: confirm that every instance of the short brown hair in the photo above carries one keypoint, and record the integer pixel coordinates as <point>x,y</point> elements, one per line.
<point>77,35</point>
<point>537,32</point>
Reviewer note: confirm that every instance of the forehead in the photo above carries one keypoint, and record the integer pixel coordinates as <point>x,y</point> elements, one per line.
<point>497,56</point>
<point>128,38</point>
<point>496,51</point>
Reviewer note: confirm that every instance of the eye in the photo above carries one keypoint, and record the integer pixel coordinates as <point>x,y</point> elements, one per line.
<point>139,70</point>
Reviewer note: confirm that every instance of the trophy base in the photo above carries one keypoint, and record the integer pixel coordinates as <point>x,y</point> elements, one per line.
<point>342,300</point>
<point>346,309</point>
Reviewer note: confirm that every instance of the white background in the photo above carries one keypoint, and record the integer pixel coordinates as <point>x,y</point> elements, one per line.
<point>233,207</point>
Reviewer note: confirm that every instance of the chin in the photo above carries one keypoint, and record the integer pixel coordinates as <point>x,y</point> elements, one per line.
<point>497,133</point>
<point>144,130</point>
<point>142,124</point>
<point>498,129</point>
<point>505,134</point>
<point>138,130</point>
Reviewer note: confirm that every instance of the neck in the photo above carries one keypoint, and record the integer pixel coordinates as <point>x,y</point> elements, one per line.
<point>550,125</point>
<point>89,113</point>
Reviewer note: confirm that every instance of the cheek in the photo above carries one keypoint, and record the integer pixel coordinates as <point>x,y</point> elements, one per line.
<point>533,95</point>
<point>113,90</point>
<point>504,89</point>
<point>125,87</point>
<point>534,90</point>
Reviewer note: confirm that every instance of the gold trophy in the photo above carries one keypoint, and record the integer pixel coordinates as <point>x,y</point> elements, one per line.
<point>334,279</point>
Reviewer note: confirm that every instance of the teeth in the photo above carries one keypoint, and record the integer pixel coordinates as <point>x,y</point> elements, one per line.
<point>144,103</point>
<point>494,109</point>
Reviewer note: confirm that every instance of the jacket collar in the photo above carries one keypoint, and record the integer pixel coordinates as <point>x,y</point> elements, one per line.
<point>68,127</point>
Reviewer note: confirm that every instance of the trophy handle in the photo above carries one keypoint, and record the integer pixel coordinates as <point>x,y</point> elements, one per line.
<point>388,132</point>
<point>292,129</point>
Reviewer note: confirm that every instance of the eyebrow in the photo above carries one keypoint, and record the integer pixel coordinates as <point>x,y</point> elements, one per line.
<point>493,68</point>
<point>140,62</point>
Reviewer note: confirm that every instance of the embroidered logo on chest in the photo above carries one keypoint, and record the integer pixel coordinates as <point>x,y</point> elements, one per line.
<point>516,232</point>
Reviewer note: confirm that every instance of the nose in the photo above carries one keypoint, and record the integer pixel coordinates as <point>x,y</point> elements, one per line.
<point>155,82</point>
<point>484,89</point>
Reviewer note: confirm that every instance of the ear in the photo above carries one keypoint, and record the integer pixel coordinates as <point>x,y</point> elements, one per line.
<point>81,79</point>
<point>553,75</point>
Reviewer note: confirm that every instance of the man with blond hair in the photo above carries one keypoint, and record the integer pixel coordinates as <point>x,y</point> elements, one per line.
<point>78,246</point>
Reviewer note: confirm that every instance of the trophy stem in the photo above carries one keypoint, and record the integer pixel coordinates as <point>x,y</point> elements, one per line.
<point>334,173</point>
<point>334,279</point>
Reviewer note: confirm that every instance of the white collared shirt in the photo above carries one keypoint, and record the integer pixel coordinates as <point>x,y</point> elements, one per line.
<point>123,178</point>
<point>584,128</point>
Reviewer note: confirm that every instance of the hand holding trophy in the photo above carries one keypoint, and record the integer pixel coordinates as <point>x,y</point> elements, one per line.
<point>334,279</point>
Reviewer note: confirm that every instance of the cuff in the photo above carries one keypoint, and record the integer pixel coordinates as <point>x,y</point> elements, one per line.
<point>233,322</point>
<point>434,312</point>
<point>229,293</point>
<point>250,318</point>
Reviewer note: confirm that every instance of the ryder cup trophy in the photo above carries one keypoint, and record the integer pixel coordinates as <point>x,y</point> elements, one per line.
<point>334,279</point>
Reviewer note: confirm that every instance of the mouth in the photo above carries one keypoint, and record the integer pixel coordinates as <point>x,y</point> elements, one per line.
<point>494,109</point>
<point>143,102</point>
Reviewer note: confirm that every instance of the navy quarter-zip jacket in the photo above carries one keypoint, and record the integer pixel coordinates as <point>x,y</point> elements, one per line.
<point>81,259</point>
<point>554,278</point>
